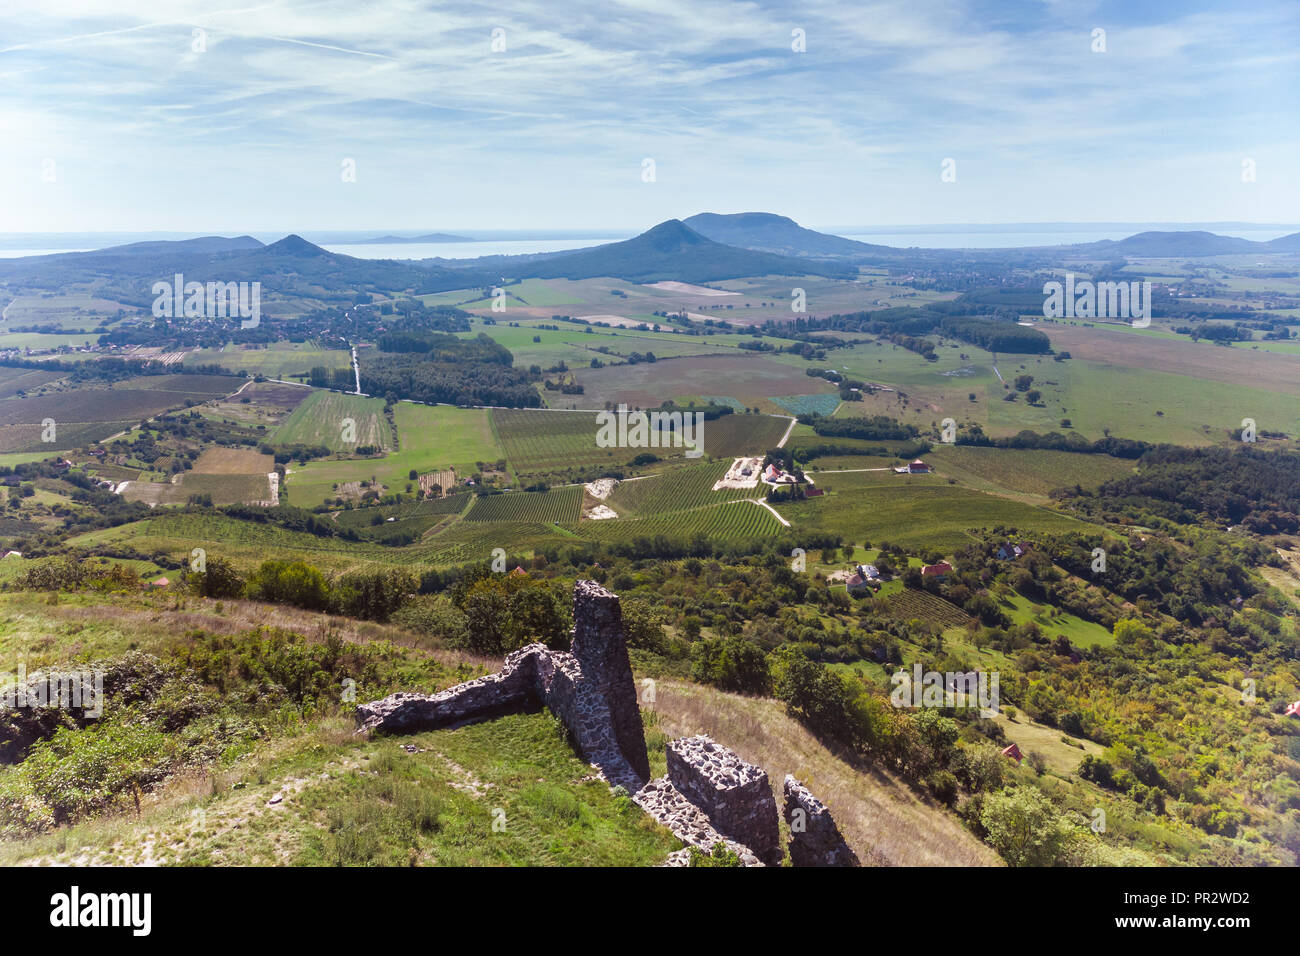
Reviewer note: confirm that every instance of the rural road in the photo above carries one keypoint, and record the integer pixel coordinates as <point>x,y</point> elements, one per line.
<point>786,436</point>
<point>763,504</point>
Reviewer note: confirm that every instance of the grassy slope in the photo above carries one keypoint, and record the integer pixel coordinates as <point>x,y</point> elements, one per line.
<point>884,820</point>
<point>320,421</point>
<point>347,800</point>
<point>916,511</point>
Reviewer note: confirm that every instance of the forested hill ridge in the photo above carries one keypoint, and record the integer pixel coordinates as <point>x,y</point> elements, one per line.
<point>769,232</point>
<point>290,267</point>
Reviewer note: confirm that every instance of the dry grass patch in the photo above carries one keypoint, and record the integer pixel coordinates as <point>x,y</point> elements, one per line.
<point>885,821</point>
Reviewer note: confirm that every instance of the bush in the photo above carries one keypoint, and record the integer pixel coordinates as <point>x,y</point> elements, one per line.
<point>219,579</point>
<point>290,582</point>
<point>78,771</point>
<point>732,663</point>
<point>373,595</point>
<point>943,785</point>
<point>1025,828</point>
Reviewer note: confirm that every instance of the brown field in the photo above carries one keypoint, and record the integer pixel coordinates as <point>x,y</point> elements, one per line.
<point>445,480</point>
<point>224,489</point>
<point>198,387</point>
<point>27,438</point>
<point>273,393</point>
<point>15,380</point>
<point>233,461</point>
<point>1274,371</point>
<point>748,379</point>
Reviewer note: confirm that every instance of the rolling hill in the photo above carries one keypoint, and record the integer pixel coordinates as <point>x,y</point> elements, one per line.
<point>768,232</point>
<point>291,266</point>
<point>673,250</point>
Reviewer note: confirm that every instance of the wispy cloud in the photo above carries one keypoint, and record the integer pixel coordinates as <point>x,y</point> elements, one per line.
<point>149,108</point>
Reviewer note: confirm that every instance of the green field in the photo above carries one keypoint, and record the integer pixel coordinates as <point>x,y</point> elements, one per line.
<point>913,511</point>
<point>430,438</point>
<point>1054,621</point>
<point>538,442</point>
<point>734,520</point>
<point>560,505</point>
<point>281,360</point>
<point>323,420</point>
<point>1031,472</point>
<point>72,311</point>
<point>680,489</point>
<point>734,435</point>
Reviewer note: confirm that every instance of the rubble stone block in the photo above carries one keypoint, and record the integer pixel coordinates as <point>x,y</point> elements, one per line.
<point>735,795</point>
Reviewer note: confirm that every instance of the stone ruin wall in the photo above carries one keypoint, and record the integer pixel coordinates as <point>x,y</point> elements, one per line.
<point>709,795</point>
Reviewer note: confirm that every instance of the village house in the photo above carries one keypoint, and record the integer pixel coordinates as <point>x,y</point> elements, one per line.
<point>1009,551</point>
<point>773,475</point>
<point>864,576</point>
<point>917,467</point>
<point>940,570</point>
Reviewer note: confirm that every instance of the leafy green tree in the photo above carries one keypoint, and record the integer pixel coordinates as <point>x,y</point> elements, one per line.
<point>290,582</point>
<point>732,663</point>
<point>1025,828</point>
<point>218,579</point>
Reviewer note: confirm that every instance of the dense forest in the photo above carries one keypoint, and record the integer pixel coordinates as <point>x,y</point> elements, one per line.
<point>1256,488</point>
<point>993,330</point>
<point>469,380</point>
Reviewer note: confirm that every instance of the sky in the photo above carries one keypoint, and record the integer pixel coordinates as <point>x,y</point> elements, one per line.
<point>196,117</point>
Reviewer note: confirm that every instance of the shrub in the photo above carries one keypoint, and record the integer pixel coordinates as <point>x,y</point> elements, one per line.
<point>1025,828</point>
<point>290,582</point>
<point>732,663</point>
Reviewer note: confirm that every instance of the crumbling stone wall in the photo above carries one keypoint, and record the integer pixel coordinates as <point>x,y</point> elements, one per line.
<point>734,795</point>
<point>513,689</point>
<point>599,647</point>
<point>710,794</point>
<point>591,690</point>
<point>815,840</point>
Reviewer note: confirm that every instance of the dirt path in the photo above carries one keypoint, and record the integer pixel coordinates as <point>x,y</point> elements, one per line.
<point>763,504</point>
<point>786,436</point>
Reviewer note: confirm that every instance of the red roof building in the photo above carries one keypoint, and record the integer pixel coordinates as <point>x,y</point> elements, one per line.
<point>1013,752</point>
<point>918,467</point>
<point>936,570</point>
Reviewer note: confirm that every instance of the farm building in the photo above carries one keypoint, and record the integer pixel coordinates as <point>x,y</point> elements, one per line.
<point>159,583</point>
<point>1013,752</point>
<point>917,467</point>
<point>1009,551</point>
<point>942,569</point>
<point>773,475</point>
<point>863,576</point>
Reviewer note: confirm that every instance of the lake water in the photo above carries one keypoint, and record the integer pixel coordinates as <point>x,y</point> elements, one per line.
<point>459,250</point>
<point>1008,239</point>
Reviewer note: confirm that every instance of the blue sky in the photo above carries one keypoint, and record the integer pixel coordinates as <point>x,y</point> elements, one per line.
<point>250,133</point>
